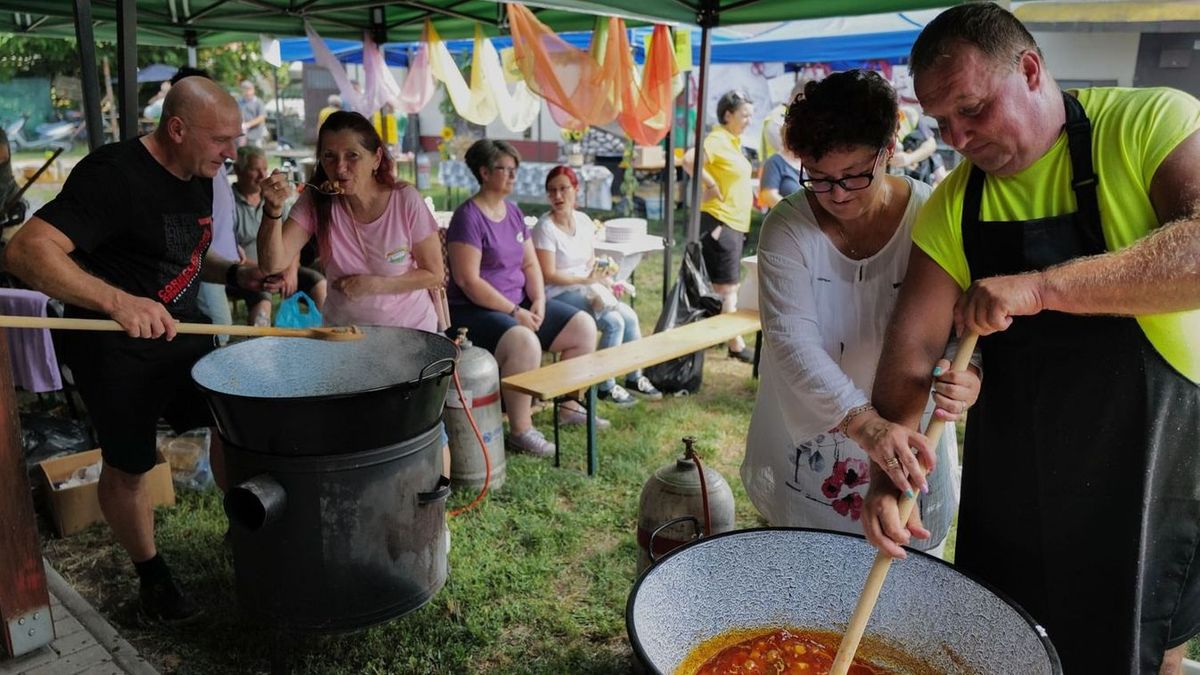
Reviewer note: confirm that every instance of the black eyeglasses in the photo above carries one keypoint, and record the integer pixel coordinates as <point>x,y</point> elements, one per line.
<point>859,181</point>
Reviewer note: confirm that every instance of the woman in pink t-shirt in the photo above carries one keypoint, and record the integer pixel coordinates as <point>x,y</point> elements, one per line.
<point>377,239</point>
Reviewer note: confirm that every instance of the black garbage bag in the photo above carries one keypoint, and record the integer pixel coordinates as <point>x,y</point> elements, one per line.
<point>691,299</point>
<point>44,436</point>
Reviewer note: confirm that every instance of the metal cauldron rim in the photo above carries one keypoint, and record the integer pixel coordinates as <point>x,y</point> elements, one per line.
<point>1055,662</point>
<point>451,363</point>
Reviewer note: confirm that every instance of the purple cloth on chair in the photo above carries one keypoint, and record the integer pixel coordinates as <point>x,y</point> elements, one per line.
<point>34,365</point>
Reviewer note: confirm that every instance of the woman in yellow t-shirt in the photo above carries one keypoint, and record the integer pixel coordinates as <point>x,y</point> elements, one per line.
<point>727,200</point>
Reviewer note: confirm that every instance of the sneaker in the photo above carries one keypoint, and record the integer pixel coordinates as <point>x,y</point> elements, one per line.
<point>572,417</point>
<point>644,387</point>
<point>164,602</point>
<point>617,395</point>
<point>531,441</point>
<point>745,356</point>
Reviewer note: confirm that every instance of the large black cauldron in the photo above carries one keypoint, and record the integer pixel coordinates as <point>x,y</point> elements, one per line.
<point>294,396</point>
<point>333,448</point>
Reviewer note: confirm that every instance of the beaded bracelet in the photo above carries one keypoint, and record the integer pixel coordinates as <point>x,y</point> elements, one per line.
<point>854,412</point>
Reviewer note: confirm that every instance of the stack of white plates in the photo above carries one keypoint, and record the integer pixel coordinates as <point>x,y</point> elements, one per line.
<point>620,230</point>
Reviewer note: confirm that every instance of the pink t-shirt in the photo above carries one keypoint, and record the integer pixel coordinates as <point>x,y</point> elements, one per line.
<point>383,247</point>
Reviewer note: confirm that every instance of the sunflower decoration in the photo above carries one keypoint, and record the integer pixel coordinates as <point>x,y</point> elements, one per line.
<point>573,135</point>
<point>444,149</point>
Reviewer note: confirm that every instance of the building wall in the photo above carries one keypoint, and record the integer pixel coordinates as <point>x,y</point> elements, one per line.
<point>1090,57</point>
<point>1169,60</point>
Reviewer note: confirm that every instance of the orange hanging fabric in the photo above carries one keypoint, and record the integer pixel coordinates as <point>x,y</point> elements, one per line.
<point>580,92</point>
<point>646,110</point>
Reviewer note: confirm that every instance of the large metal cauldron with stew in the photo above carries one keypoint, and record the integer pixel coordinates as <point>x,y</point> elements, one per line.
<point>337,510</point>
<point>811,579</point>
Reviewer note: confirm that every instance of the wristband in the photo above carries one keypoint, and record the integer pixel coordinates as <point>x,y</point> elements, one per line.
<point>231,276</point>
<point>277,216</point>
<point>514,311</point>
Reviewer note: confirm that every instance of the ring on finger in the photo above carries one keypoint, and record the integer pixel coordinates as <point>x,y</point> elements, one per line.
<point>892,462</point>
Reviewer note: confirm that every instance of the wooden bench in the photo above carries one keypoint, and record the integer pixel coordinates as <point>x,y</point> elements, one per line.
<point>565,379</point>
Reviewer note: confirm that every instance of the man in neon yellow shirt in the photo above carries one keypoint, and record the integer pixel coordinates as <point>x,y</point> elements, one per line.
<point>1068,240</point>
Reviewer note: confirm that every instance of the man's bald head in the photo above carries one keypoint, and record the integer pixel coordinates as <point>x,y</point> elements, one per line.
<point>194,95</point>
<point>199,128</point>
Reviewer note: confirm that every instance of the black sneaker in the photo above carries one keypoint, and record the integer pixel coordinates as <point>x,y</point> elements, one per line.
<point>644,388</point>
<point>617,395</point>
<point>745,356</point>
<point>164,602</point>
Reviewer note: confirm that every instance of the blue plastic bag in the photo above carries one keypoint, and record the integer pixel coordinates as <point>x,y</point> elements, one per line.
<point>298,311</point>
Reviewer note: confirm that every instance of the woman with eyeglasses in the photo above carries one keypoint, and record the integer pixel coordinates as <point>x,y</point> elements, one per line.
<point>831,258</point>
<point>728,199</point>
<point>497,293</point>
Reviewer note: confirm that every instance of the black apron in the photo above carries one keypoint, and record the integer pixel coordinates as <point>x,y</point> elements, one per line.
<point>1080,478</point>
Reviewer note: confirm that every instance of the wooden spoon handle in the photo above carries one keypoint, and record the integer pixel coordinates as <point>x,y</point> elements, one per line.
<point>184,328</point>
<point>883,561</point>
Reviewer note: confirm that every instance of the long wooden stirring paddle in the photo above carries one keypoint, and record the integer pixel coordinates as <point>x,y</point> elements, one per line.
<point>331,333</point>
<point>883,561</point>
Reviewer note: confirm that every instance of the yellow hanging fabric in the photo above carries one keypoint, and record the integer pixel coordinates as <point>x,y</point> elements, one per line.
<point>487,97</point>
<point>473,102</point>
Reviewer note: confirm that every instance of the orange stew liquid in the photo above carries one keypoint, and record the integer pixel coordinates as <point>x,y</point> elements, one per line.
<point>783,652</point>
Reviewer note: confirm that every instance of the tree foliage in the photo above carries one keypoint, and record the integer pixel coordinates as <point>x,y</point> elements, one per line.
<point>22,56</point>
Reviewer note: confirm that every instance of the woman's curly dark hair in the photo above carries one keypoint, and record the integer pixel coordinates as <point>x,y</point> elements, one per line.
<point>847,109</point>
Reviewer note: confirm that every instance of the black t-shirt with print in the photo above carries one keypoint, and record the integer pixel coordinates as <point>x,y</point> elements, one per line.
<point>136,225</point>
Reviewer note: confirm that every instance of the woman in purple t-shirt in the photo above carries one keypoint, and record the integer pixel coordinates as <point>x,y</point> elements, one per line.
<point>496,289</point>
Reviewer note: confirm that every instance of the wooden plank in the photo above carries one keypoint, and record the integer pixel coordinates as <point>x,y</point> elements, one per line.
<point>572,375</point>
<point>22,578</point>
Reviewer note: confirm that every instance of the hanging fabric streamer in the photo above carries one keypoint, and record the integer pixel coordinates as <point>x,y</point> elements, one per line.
<point>595,87</point>
<point>472,102</point>
<point>418,88</point>
<point>646,108</point>
<point>487,97</point>
<point>381,87</point>
<point>580,92</point>
<point>518,109</point>
<point>328,61</point>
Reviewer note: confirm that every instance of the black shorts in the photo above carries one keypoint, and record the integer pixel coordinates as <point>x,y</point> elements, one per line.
<point>127,384</point>
<point>723,256</point>
<point>485,327</point>
<point>306,279</point>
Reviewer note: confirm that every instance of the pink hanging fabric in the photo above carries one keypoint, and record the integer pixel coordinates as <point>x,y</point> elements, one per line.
<point>328,61</point>
<point>418,88</point>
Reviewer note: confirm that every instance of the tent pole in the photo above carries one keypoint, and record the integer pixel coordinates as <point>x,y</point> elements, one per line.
<point>85,41</point>
<point>669,201</point>
<point>127,67</point>
<point>693,229</point>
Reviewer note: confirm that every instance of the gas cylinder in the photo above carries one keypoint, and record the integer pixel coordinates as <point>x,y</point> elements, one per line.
<point>424,168</point>
<point>480,379</point>
<point>671,511</point>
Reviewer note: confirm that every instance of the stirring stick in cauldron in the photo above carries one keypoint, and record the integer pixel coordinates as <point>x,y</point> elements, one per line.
<point>330,333</point>
<point>883,561</point>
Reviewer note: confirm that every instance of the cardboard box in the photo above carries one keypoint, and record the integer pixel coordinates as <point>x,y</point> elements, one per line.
<point>75,508</point>
<point>649,155</point>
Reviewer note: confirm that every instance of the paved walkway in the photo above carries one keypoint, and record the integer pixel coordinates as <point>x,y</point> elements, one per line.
<point>85,643</point>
